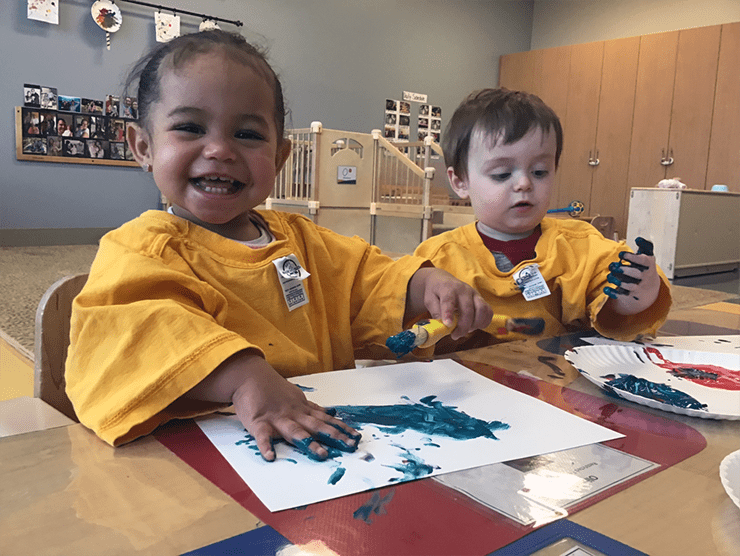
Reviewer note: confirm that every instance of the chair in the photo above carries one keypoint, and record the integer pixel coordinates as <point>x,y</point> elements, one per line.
<point>52,340</point>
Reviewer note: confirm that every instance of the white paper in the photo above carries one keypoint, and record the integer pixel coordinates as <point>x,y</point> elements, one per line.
<point>384,457</point>
<point>167,26</point>
<point>44,10</point>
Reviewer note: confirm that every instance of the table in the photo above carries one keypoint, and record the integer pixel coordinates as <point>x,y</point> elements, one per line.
<point>63,491</point>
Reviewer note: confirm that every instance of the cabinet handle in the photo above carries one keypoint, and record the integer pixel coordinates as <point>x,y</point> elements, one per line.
<point>593,161</point>
<point>666,161</point>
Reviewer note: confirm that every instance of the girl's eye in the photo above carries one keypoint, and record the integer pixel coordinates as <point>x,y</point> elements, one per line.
<point>188,128</point>
<point>249,135</point>
<point>503,176</point>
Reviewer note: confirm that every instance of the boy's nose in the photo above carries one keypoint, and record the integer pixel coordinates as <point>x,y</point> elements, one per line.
<point>523,183</point>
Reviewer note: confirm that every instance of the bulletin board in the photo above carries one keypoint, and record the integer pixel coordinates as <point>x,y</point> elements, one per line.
<point>71,150</point>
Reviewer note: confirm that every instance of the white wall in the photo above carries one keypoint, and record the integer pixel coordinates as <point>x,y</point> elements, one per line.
<point>563,22</point>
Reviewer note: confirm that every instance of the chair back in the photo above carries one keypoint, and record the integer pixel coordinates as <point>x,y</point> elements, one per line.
<point>52,340</point>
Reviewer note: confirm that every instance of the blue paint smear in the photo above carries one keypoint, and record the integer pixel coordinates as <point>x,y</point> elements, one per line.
<point>306,388</point>
<point>338,474</point>
<point>654,391</point>
<point>376,505</point>
<point>428,417</point>
<point>411,466</point>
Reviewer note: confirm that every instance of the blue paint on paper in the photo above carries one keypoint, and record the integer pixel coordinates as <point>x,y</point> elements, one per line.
<point>376,505</point>
<point>338,474</point>
<point>428,417</point>
<point>411,466</point>
<point>654,391</point>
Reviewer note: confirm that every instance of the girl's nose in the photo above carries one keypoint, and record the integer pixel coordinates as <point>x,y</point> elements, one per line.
<point>219,148</point>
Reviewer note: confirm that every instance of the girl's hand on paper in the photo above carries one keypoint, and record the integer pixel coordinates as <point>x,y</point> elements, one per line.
<point>270,408</point>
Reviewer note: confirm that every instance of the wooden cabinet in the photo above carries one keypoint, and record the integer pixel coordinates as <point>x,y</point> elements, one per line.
<point>638,110</point>
<point>724,143</point>
<point>677,73</point>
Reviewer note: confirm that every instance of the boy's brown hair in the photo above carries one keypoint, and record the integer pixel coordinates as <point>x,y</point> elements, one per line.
<point>502,114</point>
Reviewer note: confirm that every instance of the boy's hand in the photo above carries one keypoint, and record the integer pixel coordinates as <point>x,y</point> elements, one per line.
<point>442,295</point>
<point>636,284</point>
<point>270,407</point>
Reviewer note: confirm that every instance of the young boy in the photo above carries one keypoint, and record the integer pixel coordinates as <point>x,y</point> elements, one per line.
<point>502,149</point>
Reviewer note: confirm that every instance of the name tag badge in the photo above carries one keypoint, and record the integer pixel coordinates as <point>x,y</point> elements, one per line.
<point>291,275</point>
<point>531,282</point>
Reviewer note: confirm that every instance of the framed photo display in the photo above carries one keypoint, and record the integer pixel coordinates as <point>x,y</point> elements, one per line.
<point>77,130</point>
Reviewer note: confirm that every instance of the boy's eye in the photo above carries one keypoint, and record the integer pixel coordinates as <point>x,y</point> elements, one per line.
<point>541,173</point>
<point>503,176</point>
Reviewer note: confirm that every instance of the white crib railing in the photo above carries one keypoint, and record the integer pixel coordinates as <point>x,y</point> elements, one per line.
<point>391,202</point>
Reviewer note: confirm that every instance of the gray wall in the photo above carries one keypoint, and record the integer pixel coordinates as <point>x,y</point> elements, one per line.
<point>563,22</point>
<point>339,61</point>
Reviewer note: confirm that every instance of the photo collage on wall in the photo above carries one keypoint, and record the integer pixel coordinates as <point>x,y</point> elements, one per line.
<point>57,125</point>
<point>430,122</point>
<point>398,121</point>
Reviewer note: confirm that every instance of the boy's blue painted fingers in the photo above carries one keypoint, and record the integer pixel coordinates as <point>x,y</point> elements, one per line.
<point>638,266</point>
<point>644,246</point>
<point>619,278</point>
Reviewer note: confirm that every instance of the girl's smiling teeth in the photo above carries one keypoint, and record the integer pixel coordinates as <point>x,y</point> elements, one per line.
<point>217,185</point>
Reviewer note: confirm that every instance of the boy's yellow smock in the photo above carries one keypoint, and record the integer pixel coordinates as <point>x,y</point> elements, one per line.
<point>167,301</point>
<point>573,258</point>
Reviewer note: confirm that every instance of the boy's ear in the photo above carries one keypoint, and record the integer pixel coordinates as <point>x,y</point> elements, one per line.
<point>140,144</point>
<point>283,152</point>
<point>458,185</point>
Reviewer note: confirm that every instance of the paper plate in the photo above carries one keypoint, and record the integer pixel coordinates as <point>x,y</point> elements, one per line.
<point>710,381</point>
<point>107,15</point>
<point>729,473</point>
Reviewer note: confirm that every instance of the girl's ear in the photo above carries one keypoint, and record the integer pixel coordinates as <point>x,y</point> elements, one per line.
<point>140,144</point>
<point>458,185</point>
<point>283,152</point>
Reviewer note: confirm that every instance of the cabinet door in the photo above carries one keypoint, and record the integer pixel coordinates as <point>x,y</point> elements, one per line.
<point>693,100</point>
<point>584,82</point>
<point>724,145</point>
<point>656,70</point>
<point>517,71</point>
<point>609,188</point>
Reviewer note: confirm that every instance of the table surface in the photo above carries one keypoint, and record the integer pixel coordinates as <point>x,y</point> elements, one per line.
<point>63,491</point>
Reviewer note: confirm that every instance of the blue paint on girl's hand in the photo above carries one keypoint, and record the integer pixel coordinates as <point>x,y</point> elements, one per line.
<point>356,437</point>
<point>328,440</point>
<point>303,447</point>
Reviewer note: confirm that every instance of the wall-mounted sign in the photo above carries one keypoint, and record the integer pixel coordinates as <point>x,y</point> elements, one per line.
<point>414,97</point>
<point>347,174</point>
